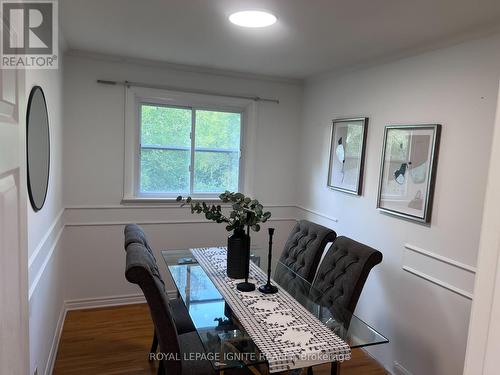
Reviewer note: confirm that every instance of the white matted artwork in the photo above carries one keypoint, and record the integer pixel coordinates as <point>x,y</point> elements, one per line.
<point>407,173</point>
<point>347,154</point>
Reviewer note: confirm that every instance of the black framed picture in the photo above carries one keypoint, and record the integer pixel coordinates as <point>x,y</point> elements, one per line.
<point>347,154</point>
<point>408,170</point>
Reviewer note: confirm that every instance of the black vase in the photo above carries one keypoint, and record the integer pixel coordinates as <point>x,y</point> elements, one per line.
<point>238,248</point>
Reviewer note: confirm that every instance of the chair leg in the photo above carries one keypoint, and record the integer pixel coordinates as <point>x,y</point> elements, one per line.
<point>335,368</point>
<point>154,346</point>
<point>161,369</point>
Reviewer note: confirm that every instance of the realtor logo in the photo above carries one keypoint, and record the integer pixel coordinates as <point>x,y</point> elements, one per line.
<point>29,34</point>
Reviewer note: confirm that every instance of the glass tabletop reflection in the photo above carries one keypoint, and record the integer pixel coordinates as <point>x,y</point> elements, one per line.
<point>224,339</point>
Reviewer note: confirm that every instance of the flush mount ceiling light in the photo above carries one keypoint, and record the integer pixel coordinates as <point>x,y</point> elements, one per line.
<point>253,18</point>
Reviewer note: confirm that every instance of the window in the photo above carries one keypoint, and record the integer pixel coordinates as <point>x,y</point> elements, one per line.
<point>186,144</point>
<point>188,151</point>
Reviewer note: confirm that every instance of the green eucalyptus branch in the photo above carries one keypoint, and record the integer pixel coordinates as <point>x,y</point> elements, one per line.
<point>245,211</point>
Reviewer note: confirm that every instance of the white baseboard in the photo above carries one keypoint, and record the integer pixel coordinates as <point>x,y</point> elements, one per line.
<point>396,366</point>
<point>49,368</point>
<point>92,303</point>
<point>400,370</point>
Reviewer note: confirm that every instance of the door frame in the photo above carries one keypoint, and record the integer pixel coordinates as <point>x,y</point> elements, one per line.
<point>483,344</point>
<point>13,123</point>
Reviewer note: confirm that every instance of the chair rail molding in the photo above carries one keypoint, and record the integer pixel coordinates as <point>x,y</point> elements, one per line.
<point>317,213</point>
<point>166,205</point>
<point>77,216</point>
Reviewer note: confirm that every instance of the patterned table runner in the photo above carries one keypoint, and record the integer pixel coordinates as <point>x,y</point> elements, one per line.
<point>286,333</point>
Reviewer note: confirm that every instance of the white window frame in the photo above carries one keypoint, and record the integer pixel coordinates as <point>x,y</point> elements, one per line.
<point>135,97</point>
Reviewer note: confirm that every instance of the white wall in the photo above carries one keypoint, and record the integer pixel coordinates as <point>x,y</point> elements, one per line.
<point>93,165</point>
<point>456,87</point>
<point>45,229</point>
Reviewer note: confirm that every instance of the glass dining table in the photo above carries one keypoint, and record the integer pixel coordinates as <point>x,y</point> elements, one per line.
<point>226,343</point>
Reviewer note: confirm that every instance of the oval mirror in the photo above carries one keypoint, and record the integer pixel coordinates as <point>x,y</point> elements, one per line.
<point>38,148</point>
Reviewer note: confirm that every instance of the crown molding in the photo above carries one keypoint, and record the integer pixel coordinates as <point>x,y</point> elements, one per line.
<point>469,35</point>
<point>181,67</point>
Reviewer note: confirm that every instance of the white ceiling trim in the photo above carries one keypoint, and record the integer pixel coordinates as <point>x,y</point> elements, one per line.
<point>467,36</point>
<point>181,67</point>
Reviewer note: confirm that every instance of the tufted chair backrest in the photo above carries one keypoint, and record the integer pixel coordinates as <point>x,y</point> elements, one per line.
<point>342,275</point>
<point>303,250</point>
<point>135,234</point>
<point>141,269</point>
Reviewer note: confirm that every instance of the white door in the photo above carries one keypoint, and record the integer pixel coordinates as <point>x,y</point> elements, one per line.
<point>14,354</point>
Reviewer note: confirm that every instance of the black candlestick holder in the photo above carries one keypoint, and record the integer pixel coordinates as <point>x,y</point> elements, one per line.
<point>246,286</point>
<point>268,288</point>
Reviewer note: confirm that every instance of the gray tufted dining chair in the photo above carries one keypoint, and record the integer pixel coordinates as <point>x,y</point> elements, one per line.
<point>340,280</point>
<point>342,275</point>
<point>135,235</point>
<point>303,251</point>
<point>141,269</point>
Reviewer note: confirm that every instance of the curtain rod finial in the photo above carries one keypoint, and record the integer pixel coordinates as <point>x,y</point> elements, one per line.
<point>106,82</point>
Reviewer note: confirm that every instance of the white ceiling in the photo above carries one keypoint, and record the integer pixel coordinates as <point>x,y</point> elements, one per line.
<point>310,37</point>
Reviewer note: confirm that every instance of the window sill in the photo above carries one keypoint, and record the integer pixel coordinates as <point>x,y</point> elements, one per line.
<point>163,201</point>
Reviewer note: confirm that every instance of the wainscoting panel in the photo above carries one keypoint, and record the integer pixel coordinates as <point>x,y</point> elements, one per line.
<point>94,251</point>
<point>437,269</point>
<point>44,251</point>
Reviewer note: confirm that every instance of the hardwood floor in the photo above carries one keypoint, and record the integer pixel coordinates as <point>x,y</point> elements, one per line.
<point>116,340</point>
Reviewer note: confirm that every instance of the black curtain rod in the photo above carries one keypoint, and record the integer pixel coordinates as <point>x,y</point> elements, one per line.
<point>190,91</point>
